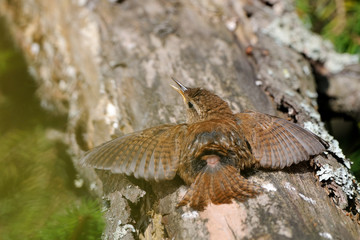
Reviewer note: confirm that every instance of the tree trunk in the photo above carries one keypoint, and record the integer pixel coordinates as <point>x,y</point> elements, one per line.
<point>107,65</point>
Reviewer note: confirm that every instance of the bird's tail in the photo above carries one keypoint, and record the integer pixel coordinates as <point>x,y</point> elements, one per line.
<point>218,185</point>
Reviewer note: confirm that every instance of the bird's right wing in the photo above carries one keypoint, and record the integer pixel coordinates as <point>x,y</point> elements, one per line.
<point>276,142</point>
<point>152,154</point>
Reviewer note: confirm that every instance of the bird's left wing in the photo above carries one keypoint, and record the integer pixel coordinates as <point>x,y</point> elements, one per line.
<point>276,142</point>
<point>152,154</point>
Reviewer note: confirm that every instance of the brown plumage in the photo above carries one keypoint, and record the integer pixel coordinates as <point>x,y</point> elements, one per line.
<point>209,150</point>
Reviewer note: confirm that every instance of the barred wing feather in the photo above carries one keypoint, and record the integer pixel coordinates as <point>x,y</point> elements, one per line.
<point>276,142</point>
<point>152,154</point>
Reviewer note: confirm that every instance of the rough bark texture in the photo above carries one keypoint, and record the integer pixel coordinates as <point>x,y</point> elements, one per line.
<point>107,65</point>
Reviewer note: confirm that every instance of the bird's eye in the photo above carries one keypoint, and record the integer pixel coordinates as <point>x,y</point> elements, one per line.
<point>190,105</point>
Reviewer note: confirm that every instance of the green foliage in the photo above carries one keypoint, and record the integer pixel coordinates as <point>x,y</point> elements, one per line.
<point>83,223</point>
<point>355,155</point>
<point>5,58</point>
<point>336,20</point>
<point>36,174</point>
<point>35,188</point>
<point>26,157</point>
<point>355,168</point>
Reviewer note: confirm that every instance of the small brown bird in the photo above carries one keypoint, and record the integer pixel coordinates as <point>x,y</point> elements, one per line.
<point>209,150</point>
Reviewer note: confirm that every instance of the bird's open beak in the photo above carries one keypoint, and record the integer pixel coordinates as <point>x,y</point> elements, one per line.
<point>182,87</point>
<point>180,90</point>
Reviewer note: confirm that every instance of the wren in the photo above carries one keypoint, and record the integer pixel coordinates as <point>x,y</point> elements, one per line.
<point>209,150</point>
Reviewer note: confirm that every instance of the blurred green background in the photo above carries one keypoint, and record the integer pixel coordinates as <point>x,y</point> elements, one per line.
<point>38,198</point>
<point>336,20</point>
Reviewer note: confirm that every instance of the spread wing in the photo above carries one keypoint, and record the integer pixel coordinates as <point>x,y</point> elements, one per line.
<point>276,142</point>
<point>152,154</point>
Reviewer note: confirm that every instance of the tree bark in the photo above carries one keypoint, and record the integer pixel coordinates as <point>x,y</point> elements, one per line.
<point>107,65</point>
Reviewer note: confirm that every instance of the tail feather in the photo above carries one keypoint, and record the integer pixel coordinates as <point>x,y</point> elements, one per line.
<point>193,195</point>
<point>218,185</point>
<point>215,189</point>
<point>240,185</point>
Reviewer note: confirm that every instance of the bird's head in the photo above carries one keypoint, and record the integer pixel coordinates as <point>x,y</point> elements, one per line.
<point>202,104</point>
